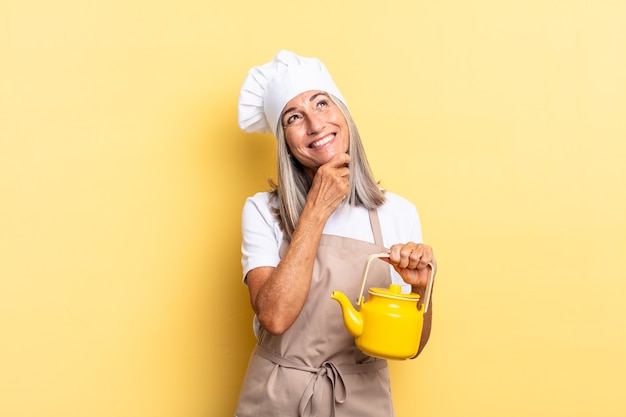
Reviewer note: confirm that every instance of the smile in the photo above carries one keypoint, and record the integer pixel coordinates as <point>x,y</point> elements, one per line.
<point>322,141</point>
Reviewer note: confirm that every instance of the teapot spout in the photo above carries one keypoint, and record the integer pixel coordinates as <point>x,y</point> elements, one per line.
<point>352,319</point>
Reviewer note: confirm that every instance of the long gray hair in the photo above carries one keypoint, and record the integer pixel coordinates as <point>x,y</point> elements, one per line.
<point>293,183</point>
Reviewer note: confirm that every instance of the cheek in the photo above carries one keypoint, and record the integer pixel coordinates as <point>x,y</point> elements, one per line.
<point>346,136</point>
<point>292,138</point>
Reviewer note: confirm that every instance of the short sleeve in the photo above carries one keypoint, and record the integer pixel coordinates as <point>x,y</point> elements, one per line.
<point>261,234</point>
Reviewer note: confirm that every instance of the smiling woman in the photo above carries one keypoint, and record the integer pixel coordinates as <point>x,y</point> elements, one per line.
<point>363,188</point>
<point>311,234</point>
<point>315,130</point>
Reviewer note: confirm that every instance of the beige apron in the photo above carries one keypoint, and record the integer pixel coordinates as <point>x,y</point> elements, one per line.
<point>314,369</point>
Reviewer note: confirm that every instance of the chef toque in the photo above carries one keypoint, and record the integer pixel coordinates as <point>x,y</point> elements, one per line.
<point>268,88</point>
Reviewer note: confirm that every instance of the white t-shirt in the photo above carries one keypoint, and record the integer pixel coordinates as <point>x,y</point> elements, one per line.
<point>262,236</point>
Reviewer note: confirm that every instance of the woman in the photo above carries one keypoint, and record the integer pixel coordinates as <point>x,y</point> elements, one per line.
<point>311,235</point>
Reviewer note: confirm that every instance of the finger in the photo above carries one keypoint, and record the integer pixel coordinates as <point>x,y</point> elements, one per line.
<point>394,255</point>
<point>417,252</point>
<point>426,256</point>
<point>343,172</point>
<point>405,257</point>
<point>339,160</point>
<point>399,255</point>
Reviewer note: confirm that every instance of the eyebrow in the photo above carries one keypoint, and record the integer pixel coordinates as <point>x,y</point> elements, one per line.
<point>312,98</point>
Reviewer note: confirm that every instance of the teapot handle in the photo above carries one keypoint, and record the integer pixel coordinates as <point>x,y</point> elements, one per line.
<point>429,285</point>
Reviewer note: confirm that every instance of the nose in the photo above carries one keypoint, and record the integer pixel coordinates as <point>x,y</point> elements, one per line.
<point>314,124</point>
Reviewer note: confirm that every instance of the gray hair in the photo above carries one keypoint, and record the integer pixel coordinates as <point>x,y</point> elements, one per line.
<point>293,183</point>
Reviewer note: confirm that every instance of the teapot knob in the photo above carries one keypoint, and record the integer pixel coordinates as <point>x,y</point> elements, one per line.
<point>395,289</point>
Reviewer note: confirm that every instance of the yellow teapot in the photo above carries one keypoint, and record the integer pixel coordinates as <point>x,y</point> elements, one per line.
<point>389,324</point>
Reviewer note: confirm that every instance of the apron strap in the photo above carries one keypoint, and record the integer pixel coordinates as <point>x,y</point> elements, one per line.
<point>312,397</point>
<point>376,230</point>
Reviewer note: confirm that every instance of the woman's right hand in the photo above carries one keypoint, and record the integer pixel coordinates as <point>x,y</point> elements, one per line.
<point>330,185</point>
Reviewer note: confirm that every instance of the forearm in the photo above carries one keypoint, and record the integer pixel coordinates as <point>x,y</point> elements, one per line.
<point>281,297</point>
<point>426,326</point>
<point>428,314</point>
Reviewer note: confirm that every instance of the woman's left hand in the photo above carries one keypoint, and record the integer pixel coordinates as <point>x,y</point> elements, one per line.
<point>411,261</point>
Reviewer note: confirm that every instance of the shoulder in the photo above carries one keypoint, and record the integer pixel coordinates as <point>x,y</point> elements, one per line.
<point>260,204</point>
<point>260,199</point>
<point>397,204</point>
<point>399,220</point>
<point>259,218</point>
<point>261,234</point>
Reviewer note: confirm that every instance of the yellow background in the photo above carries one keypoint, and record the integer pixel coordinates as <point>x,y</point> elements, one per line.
<point>123,174</point>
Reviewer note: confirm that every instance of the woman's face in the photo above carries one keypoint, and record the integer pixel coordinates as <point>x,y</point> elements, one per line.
<point>315,129</point>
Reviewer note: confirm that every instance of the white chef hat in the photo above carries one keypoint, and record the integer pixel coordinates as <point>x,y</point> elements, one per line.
<point>268,88</point>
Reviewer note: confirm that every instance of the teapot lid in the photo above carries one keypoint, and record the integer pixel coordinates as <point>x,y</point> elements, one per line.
<point>394,291</point>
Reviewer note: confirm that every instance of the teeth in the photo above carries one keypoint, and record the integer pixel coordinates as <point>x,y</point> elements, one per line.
<point>322,141</point>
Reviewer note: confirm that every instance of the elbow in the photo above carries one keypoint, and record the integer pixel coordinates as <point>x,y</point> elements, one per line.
<point>275,316</point>
<point>274,325</point>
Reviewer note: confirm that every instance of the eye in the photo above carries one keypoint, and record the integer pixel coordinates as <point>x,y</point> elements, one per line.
<point>322,103</point>
<point>289,120</point>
